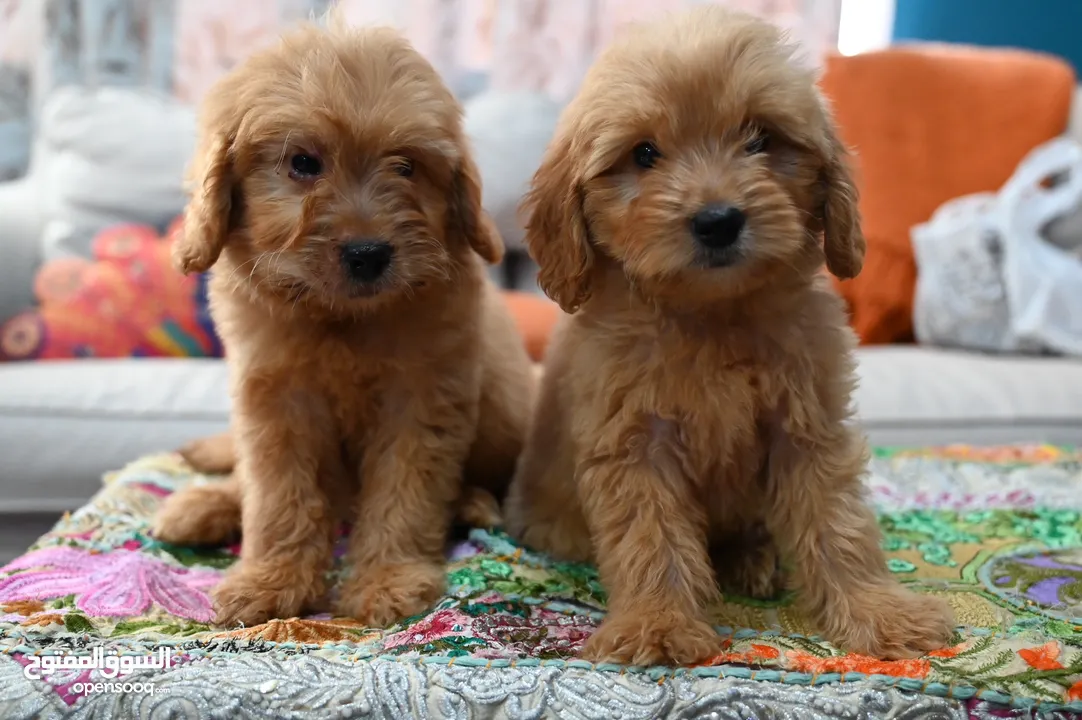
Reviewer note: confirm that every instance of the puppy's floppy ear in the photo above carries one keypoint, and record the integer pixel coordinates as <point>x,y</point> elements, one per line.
<point>207,217</point>
<point>468,219</point>
<point>556,233</point>
<point>839,213</point>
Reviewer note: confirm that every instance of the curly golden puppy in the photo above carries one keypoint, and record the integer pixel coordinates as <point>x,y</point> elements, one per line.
<point>697,404</point>
<point>372,364</point>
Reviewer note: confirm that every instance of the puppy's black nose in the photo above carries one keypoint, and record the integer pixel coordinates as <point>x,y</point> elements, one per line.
<point>365,260</point>
<point>718,226</point>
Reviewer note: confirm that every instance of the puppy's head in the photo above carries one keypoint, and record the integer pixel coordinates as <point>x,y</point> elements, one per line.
<point>700,157</point>
<point>333,170</point>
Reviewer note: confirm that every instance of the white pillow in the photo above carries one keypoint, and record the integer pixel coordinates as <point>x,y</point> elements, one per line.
<point>109,155</point>
<point>509,133</point>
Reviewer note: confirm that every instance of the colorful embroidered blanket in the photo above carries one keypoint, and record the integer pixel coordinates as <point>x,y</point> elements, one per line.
<point>997,532</point>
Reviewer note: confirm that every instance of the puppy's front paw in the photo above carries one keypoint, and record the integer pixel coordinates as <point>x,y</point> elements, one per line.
<point>652,638</point>
<point>247,596</point>
<point>210,455</point>
<point>379,596</point>
<point>198,515</point>
<point>894,623</point>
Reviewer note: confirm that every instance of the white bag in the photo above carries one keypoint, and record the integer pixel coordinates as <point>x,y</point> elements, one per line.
<point>1044,282</point>
<point>960,297</point>
<point>987,279</point>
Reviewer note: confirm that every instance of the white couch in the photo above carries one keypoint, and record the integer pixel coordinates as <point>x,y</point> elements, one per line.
<point>62,424</point>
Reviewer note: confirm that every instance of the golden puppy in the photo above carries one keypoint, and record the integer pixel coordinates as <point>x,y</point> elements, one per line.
<point>697,405</point>
<point>372,364</point>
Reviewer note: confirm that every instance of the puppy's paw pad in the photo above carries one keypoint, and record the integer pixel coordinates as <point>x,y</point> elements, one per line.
<point>380,596</point>
<point>898,624</point>
<point>245,598</point>
<point>652,638</point>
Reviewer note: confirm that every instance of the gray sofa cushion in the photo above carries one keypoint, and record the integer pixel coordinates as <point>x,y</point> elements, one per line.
<point>913,395</point>
<point>63,424</point>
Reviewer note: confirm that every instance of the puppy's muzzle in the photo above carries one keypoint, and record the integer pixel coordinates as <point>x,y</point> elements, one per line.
<point>364,261</point>
<point>717,226</point>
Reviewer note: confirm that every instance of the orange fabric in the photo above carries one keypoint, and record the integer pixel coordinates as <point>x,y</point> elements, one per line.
<point>930,123</point>
<point>535,317</point>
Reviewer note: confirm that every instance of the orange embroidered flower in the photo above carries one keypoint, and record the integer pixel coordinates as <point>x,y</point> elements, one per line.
<point>948,652</point>
<point>1043,657</point>
<point>43,620</point>
<point>756,656</point>
<point>806,662</point>
<point>23,607</point>
<point>767,652</point>
<point>1075,691</point>
<point>302,631</point>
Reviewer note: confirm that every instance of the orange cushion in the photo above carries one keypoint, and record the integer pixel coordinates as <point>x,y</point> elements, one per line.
<point>535,317</point>
<point>930,123</point>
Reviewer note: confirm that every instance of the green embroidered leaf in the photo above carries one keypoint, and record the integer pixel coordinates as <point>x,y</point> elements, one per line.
<point>496,569</point>
<point>894,544</point>
<point>900,566</point>
<point>66,601</point>
<point>77,623</point>
<point>129,627</point>
<point>466,577</point>
<point>189,557</point>
<point>1001,660</point>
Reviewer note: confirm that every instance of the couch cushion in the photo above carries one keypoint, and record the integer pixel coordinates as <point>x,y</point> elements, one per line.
<point>64,423</point>
<point>509,133</point>
<point>924,396</point>
<point>110,155</point>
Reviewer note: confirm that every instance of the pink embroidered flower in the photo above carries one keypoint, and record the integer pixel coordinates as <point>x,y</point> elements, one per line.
<point>117,583</point>
<point>439,625</point>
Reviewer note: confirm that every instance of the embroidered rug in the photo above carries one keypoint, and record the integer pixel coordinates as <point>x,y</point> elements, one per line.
<point>997,532</point>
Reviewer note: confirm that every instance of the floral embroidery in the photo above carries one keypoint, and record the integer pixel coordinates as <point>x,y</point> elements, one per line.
<point>120,583</point>
<point>430,629</point>
<point>304,631</point>
<point>1043,657</point>
<point>23,607</point>
<point>1013,574</point>
<point>42,619</point>
<point>757,655</point>
<point>807,662</point>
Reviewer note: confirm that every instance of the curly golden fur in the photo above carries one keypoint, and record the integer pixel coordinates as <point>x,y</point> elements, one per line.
<point>372,364</point>
<point>694,422</point>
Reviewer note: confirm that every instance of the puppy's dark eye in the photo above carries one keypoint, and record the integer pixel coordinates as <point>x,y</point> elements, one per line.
<point>404,167</point>
<point>757,144</point>
<point>646,155</point>
<point>303,166</point>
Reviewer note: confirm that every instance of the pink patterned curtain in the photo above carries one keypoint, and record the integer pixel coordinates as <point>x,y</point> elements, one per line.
<point>537,45</point>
